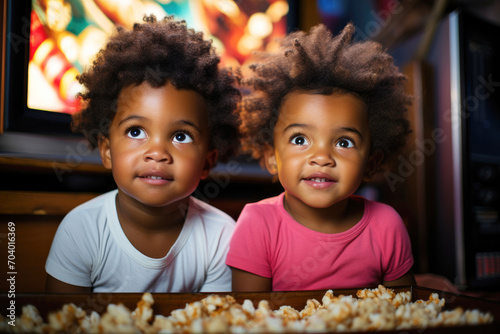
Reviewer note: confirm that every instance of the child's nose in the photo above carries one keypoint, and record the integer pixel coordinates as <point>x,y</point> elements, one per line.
<point>322,157</point>
<point>157,151</point>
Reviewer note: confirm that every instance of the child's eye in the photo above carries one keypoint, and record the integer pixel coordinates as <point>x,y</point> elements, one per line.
<point>182,137</point>
<point>136,133</point>
<point>299,140</point>
<point>345,143</point>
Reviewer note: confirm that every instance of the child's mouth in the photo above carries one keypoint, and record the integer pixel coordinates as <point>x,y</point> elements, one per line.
<point>319,179</point>
<point>154,177</point>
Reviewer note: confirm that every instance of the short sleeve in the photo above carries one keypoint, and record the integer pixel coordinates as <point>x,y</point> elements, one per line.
<point>70,256</point>
<point>396,245</point>
<point>219,274</point>
<point>249,248</point>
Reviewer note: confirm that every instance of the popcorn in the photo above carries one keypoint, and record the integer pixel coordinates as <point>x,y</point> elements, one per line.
<point>369,310</point>
<point>30,320</point>
<point>311,306</point>
<point>66,319</point>
<point>143,314</point>
<point>288,313</point>
<point>90,324</point>
<point>117,319</point>
<point>248,307</point>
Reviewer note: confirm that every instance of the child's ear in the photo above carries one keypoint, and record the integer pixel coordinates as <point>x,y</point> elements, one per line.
<point>373,165</point>
<point>210,161</point>
<point>105,152</point>
<point>270,160</point>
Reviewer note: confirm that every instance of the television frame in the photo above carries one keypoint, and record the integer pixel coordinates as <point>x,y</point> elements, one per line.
<point>32,133</point>
<point>17,45</point>
<point>25,132</point>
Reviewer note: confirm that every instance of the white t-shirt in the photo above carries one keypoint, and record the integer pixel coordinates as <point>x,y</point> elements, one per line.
<point>90,249</point>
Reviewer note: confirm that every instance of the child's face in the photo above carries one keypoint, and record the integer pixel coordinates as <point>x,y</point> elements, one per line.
<point>158,144</point>
<point>321,147</point>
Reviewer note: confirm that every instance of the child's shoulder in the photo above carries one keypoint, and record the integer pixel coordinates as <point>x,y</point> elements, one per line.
<point>269,202</point>
<point>96,203</point>
<point>91,216</point>
<point>266,207</point>
<point>93,211</point>
<point>380,214</point>
<point>208,213</point>
<point>378,207</point>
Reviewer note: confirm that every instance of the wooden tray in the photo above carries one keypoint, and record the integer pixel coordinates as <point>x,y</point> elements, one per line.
<point>167,302</point>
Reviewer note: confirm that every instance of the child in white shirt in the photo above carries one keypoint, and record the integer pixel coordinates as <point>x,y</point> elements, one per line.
<point>160,112</point>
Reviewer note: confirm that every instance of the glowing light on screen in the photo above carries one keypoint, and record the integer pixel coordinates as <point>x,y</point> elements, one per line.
<point>66,34</point>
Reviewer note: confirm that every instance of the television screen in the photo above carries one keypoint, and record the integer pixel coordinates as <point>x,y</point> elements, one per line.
<point>66,34</point>
<point>47,43</point>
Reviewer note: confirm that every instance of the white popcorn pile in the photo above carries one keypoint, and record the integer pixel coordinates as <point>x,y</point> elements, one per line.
<point>373,309</point>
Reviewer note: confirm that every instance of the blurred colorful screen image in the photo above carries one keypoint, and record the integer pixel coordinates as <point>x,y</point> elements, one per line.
<point>65,35</point>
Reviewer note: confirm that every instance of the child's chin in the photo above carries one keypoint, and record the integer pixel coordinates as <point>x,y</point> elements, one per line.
<point>321,202</point>
<point>318,204</point>
<point>155,202</point>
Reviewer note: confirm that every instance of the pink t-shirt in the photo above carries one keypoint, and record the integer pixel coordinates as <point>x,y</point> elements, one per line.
<point>268,242</point>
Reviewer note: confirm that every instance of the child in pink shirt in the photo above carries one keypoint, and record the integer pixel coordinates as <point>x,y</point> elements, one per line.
<point>325,115</point>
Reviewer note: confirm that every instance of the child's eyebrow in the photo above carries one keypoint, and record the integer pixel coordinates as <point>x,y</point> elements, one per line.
<point>345,128</point>
<point>189,123</point>
<point>130,118</point>
<point>180,122</point>
<point>356,131</point>
<point>294,125</point>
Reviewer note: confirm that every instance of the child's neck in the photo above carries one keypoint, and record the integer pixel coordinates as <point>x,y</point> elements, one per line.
<point>337,218</point>
<point>152,231</point>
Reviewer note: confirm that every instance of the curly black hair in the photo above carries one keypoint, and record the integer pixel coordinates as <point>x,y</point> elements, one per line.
<point>158,52</point>
<point>321,63</point>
